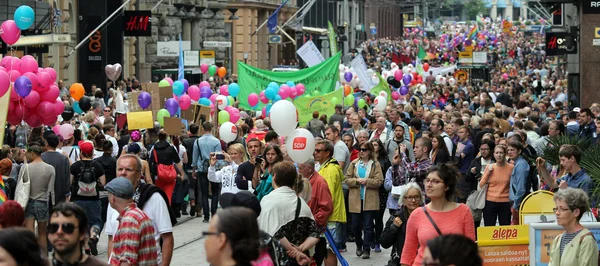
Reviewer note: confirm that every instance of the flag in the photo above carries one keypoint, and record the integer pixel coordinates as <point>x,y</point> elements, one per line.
<point>333,45</point>
<point>473,33</point>
<point>180,66</point>
<point>272,21</point>
<point>421,54</point>
<point>297,22</point>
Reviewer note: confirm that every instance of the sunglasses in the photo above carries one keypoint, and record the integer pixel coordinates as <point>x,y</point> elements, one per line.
<point>67,228</point>
<point>107,111</point>
<point>363,149</point>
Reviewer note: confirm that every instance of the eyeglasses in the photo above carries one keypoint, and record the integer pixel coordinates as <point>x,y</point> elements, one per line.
<point>106,111</point>
<point>207,233</point>
<point>432,181</point>
<point>412,198</point>
<point>363,149</point>
<point>67,228</point>
<point>130,170</point>
<point>317,150</point>
<point>561,210</point>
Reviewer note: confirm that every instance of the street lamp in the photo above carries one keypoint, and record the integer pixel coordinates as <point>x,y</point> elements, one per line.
<point>233,15</point>
<point>245,58</point>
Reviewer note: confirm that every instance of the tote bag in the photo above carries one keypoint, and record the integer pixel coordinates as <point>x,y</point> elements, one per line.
<point>23,188</point>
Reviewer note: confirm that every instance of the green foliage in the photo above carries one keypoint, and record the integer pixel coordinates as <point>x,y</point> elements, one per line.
<point>475,7</point>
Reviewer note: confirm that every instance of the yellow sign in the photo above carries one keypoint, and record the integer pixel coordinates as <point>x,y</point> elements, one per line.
<point>140,120</point>
<point>597,32</point>
<point>537,204</point>
<point>505,255</point>
<point>207,57</point>
<point>465,55</point>
<point>503,235</point>
<point>461,75</point>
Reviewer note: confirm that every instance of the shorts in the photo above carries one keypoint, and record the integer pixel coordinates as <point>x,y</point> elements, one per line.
<point>93,210</point>
<point>38,210</point>
<point>336,229</point>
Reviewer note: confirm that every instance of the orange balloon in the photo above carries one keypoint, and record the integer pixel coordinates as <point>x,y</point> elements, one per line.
<point>347,90</point>
<point>77,91</point>
<point>221,72</point>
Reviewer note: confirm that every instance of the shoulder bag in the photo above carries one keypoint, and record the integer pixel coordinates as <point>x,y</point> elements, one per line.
<point>431,221</point>
<point>164,172</point>
<point>23,188</point>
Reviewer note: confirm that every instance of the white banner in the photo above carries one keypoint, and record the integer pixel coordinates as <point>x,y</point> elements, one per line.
<point>191,58</point>
<point>360,68</point>
<point>171,48</point>
<point>440,70</point>
<point>310,54</point>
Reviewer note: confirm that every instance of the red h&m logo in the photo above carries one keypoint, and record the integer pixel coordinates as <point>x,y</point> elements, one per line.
<point>137,23</point>
<point>552,43</point>
<point>299,143</point>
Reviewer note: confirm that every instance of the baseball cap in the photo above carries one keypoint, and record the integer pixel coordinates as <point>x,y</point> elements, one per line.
<point>241,199</point>
<point>121,187</point>
<point>86,147</point>
<point>133,148</point>
<point>577,109</point>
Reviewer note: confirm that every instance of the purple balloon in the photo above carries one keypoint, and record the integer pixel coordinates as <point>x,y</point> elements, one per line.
<point>23,86</point>
<point>144,100</point>
<point>172,106</point>
<point>186,85</point>
<point>403,90</point>
<point>205,92</point>
<point>348,76</point>
<point>407,78</point>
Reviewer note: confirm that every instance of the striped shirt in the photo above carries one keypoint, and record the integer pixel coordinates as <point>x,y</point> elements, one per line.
<point>566,239</point>
<point>134,241</point>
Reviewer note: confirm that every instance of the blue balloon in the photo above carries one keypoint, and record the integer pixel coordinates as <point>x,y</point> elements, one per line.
<point>24,17</point>
<point>270,93</point>
<point>273,84</point>
<point>268,109</point>
<point>178,88</point>
<point>204,101</point>
<point>290,84</point>
<point>76,108</point>
<point>234,89</point>
<point>277,98</point>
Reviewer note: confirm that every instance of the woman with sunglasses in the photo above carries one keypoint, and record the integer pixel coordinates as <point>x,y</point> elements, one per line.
<point>364,177</point>
<point>232,237</point>
<point>441,216</point>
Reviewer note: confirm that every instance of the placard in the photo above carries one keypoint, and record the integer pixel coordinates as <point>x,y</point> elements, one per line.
<point>207,57</point>
<point>479,57</point>
<point>465,57</point>
<point>191,58</point>
<point>310,54</point>
<point>140,120</point>
<point>137,23</point>
<point>172,126</point>
<point>171,48</point>
<point>201,114</point>
<point>541,236</point>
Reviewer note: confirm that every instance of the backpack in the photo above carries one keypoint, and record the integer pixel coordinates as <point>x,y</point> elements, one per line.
<point>315,134</point>
<point>164,172</point>
<point>272,253</point>
<point>87,181</point>
<point>454,145</point>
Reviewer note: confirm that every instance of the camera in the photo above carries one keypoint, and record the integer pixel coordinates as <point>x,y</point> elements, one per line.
<point>259,159</point>
<point>220,156</point>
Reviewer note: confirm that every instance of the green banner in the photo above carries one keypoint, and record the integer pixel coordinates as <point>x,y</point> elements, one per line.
<point>324,104</point>
<point>332,40</point>
<point>321,77</point>
<point>382,86</point>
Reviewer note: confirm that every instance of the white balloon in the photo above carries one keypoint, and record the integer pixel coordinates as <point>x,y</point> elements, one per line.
<point>341,67</point>
<point>405,69</point>
<point>384,94</point>
<point>375,80</point>
<point>452,81</point>
<point>300,145</point>
<point>535,83</point>
<point>380,103</point>
<point>342,79</point>
<point>228,132</point>
<point>423,89</point>
<point>370,71</point>
<point>221,102</point>
<point>393,65</point>
<point>284,117</point>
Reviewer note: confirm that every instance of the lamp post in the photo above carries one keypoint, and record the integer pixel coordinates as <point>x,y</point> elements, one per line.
<point>245,58</point>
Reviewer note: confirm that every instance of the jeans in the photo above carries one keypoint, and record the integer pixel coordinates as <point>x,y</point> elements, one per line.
<point>496,210</point>
<point>93,210</point>
<point>363,223</point>
<point>104,204</point>
<point>345,229</point>
<point>216,191</point>
<point>379,224</point>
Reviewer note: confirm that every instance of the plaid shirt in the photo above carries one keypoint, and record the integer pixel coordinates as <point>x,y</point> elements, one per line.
<point>416,171</point>
<point>134,241</point>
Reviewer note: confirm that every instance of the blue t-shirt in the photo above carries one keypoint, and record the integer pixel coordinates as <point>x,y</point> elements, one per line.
<point>579,180</point>
<point>362,173</point>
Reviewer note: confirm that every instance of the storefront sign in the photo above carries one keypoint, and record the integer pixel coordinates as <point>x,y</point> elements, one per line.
<point>556,43</point>
<point>171,48</point>
<point>207,57</point>
<point>207,44</point>
<point>590,7</point>
<point>191,58</point>
<point>505,255</point>
<point>137,23</point>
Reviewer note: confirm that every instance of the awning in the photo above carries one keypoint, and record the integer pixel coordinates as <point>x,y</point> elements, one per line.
<point>43,39</point>
<point>501,4</point>
<point>516,3</point>
<point>488,3</point>
<point>314,30</point>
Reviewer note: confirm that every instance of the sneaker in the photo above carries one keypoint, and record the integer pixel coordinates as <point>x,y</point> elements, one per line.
<point>93,243</point>
<point>366,254</point>
<point>359,252</point>
<point>377,248</point>
<point>192,211</point>
<point>351,239</point>
<point>205,221</point>
<point>342,250</point>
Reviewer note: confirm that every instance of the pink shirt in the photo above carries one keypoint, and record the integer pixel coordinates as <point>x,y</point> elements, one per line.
<point>419,230</point>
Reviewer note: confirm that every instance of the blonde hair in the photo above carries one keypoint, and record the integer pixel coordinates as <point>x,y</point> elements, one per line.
<point>240,149</point>
<point>89,117</point>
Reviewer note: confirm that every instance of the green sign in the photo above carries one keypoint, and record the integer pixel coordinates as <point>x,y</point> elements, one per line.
<point>321,77</point>
<point>324,104</point>
<point>332,41</point>
<point>382,86</point>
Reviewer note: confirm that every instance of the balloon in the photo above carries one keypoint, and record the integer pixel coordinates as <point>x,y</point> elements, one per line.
<point>392,81</point>
<point>221,72</point>
<point>221,102</point>
<point>212,70</point>
<point>423,89</point>
<point>56,129</point>
<point>284,117</point>
<point>77,108</point>
<point>263,98</point>
<point>234,89</point>
<point>407,78</point>
<point>5,60</point>
<point>45,109</point>
<point>362,103</point>
<point>33,120</point>
<point>59,107</point>
<point>169,80</point>
<point>144,99</point>
<point>398,75</point>
<point>426,67</point>
<point>9,32</point>
<point>300,145</point>
<point>293,92</point>
<point>204,68</point>
<point>194,92</point>
<point>270,93</point>
<point>23,86</point>
<point>452,81</point>
<point>44,79</point>
<point>185,102</point>
<point>160,116</point>
<point>49,121</point>
<point>32,99</point>
<point>300,88</point>
<point>186,85</point>
<point>163,83</point>
<point>224,90</point>
<point>347,90</point>
<point>29,64</point>
<point>228,132</point>
<point>384,94</point>
<point>113,72</point>
<point>205,91</point>
<point>230,100</point>
<point>380,103</point>
<point>334,100</point>
<point>205,101</point>
<point>68,113</point>
<point>277,98</point>
<point>24,17</point>
<point>235,115</point>
<point>252,99</point>
<point>213,98</point>
<point>395,95</point>
<point>66,131</point>
<point>172,106</point>
<point>4,83</point>
<point>403,90</point>
<point>77,91</point>
<point>284,91</point>
<point>315,93</point>
<point>349,100</point>
<point>52,94</point>
<point>348,76</point>
<point>223,116</point>
<point>178,88</point>
<point>505,76</point>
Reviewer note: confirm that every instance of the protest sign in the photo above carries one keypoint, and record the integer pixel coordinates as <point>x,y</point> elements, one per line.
<point>323,104</point>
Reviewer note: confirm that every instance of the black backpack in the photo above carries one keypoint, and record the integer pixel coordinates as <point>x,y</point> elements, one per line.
<point>87,180</point>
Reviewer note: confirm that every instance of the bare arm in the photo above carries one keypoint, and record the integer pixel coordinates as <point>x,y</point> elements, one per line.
<point>146,172</point>
<point>110,246</point>
<point>541,166</point>
<point>167,248</point>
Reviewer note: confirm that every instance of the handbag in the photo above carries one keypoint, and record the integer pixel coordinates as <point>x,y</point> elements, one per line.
<point>164,172</point>
<point>476,200</point>
<point>23,188</point>
<point>431,221</point>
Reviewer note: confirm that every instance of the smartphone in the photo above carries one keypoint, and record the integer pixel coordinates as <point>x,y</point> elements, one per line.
<point>220,156</point>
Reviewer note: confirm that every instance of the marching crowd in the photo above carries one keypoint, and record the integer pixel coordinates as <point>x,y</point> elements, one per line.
<point>418,160</point>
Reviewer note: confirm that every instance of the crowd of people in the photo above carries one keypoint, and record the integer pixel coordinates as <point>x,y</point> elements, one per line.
<point>416,161</point>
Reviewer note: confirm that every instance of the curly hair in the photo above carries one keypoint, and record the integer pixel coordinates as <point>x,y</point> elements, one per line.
<point>448,173</point>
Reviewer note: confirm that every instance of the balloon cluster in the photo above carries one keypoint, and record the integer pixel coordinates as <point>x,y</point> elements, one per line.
<point>348,77</point>
<point>10,30</point>
<point>276,92</point>
<point>212,70</point>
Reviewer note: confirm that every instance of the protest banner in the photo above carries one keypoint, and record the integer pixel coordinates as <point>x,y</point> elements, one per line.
<point>323,104</point>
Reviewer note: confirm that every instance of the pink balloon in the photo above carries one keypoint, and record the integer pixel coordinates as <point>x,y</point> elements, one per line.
<point>51,72</point>
<point>14,96</point>
<point>14,64</point>
<point>11,106</point>
<point>234,116</point>
<point>263,98</point>
<point>204,69</point>
<point>169,80</point>
<point>300,88</point>
<point>56,129</point>
<point>204,84</point>
<point>185,102</point>
<point>224,90</point>
<point>21,111</point>
<point>33,120</point>
<point>14,74</point>
<point>45,79</point>
<point>59,107</point>
<point>10,32</point>
<point>213,97</point>
<point>32,99</point>
<point>40,70</point>
<point>13,120</point>
<point>35,84</point>
<point>212,108</point>
<point>395,95</point>
<point>49,121</point>
<point>194,92</point>
<point>398,75</point>
<point>51,95</point>
<point>45,109</point>
<point>4,83</point>
<point>3,69</point>
<point>252,99</point>
<point>284,91</point>
<point>29,64</point>
<point>293,92</point>
<point>5,60</point>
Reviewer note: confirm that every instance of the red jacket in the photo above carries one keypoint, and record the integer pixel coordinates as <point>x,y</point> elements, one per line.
<point>321,204</point>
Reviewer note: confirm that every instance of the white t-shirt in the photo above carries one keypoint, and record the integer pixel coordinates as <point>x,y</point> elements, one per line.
<point>342,154</point>
<point>157,211</point>
<point>182,151</point>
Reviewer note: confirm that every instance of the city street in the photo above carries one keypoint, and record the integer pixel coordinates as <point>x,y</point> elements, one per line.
<point>189,246</point>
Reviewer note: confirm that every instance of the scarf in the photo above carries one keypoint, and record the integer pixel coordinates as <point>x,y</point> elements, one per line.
<point>279,208</point>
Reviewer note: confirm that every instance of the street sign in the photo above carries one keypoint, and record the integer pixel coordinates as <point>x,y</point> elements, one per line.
<point>191,58</point>
<point>596,42</point>
<point>373,31</point>
<point>597,32</point>
<point>274,38</point>
<point>210,44</point>
<point>207,57</point>
<point>465,57</point>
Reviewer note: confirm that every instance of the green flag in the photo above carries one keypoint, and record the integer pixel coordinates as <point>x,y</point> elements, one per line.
<point>324,104</point>
<point>332,41</point>
<point>382,86</point>
<point>421,54</point>
<point>321,77</point>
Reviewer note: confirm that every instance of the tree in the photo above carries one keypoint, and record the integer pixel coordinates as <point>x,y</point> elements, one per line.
<point>475,7</point>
